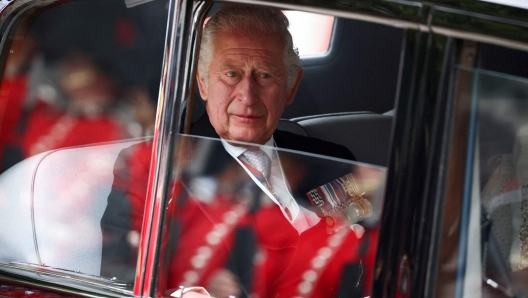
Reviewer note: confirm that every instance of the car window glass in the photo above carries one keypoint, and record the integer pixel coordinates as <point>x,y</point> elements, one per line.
<point>499,172</point>
<point>80,85</point>
<point>237,231</point>
<point>226,228</point>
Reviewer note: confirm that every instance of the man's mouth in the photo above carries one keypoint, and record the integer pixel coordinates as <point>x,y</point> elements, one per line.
<point>246,117</point>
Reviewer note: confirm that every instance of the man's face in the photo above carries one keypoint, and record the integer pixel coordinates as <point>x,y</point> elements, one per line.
<point>246,92</point>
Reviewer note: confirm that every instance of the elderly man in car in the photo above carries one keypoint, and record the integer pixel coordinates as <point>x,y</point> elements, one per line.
<point>248,72</point>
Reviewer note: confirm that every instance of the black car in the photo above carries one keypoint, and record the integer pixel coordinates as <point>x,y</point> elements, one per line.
<point>105,189</point>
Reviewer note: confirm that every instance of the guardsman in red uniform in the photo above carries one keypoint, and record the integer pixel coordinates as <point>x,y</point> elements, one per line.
<point>86,119</point>
<point>209,219</point>
<point>330,259</point>
<point>318,265</point>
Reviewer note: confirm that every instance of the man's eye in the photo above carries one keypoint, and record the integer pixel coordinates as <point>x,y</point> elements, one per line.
<point>265,75</point>
<point>231,74</point>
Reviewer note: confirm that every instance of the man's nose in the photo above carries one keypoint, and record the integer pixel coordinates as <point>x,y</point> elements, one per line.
<point>247,90</point>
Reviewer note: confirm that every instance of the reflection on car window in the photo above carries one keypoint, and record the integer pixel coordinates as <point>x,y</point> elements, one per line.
<point>288,235</point>
<point>77,75</point>
<point>501,172</point>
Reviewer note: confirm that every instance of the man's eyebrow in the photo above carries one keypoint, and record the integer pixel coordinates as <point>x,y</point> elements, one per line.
<point>230,63</point>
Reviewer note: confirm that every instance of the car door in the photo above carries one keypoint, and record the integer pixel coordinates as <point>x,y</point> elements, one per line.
<point>400,86</point>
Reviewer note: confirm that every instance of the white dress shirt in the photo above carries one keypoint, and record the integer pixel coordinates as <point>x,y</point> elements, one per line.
<point>302,218</point>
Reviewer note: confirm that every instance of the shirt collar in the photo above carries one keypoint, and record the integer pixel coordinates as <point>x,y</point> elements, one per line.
<point>235,151</point>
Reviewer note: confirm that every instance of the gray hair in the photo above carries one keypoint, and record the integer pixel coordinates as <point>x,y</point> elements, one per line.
<point>252,21</point>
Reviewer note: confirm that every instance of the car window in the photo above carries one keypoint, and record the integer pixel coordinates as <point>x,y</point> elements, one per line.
<point>483,250</point>
<point>500,94</point>
<point>287,236</point>
<point>79,86</point>
<point>291,234</point>
<point>311,32</point>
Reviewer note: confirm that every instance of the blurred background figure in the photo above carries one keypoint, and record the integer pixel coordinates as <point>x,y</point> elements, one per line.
<point>85,119</point>
<point>89,60</point>
<point>141,111</point>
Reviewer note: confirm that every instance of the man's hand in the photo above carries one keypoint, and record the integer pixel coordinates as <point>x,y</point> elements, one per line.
<point>358,230</point>
<point>190,292</point>
<point>223,284</point>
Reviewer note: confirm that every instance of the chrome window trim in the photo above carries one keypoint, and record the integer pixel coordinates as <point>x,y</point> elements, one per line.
<point>46,286</point>
<point>44,273</point>
<point>471,26</point>
<point>45,279</point>
<point>175,94</point>
<point>488,9</point>
<point>160,169</point>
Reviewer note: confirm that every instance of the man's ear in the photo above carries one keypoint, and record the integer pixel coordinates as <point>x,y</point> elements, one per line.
<point>291,94</point>
<point>202,86</point>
